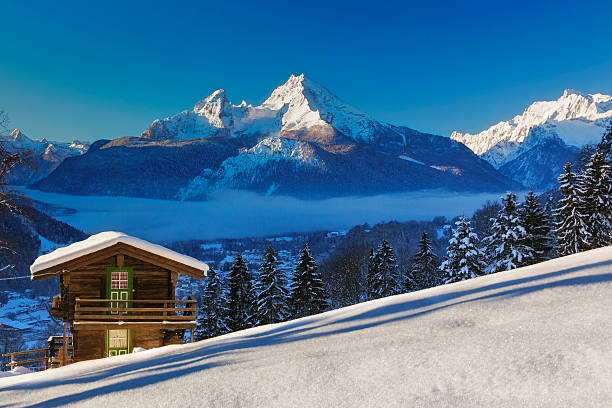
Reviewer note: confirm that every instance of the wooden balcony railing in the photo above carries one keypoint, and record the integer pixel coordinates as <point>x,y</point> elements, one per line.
<point>107,310</point>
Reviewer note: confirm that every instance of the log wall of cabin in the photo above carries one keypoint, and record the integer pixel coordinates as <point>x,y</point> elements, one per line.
<point>150,282</point>
<point>90,344</point>
<point>89,282</point>
<point>87,345</point>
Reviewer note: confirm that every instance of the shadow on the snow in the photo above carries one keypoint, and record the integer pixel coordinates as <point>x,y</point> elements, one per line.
<point>147,372</point>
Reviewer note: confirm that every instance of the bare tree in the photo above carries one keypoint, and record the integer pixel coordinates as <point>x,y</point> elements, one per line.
<point>11,200</point>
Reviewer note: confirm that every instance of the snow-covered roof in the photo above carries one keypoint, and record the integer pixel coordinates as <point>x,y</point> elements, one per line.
<point>107,239</point>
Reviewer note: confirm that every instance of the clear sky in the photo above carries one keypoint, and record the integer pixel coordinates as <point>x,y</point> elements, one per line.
<point>92,70</point>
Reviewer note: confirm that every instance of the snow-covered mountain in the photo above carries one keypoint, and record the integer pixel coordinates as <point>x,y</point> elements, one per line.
<point>301,141</point>
<point>299,105</point>
<point>568,123</point>
<point>45,155</point>
<point>537,336</point>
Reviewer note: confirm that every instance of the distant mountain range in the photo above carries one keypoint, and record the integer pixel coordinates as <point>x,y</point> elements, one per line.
<point>532,147</point>
<point>45,155</point>
<point>301,141</point>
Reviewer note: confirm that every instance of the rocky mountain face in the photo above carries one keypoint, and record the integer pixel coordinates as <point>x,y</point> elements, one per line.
<point>532,147</point>
<point>45,156</point>
<point>302,141</point>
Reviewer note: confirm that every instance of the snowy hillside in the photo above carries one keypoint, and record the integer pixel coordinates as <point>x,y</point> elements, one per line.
<point>536,336</point>
<point>570,122</point>
<point>46,156</point>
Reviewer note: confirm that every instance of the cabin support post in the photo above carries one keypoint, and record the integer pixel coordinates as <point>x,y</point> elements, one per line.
<point>191,335</point>
<point>64,347</point>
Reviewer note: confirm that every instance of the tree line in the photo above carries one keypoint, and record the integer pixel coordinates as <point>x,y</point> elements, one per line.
<point>575,218</point>
<point>246,302</point>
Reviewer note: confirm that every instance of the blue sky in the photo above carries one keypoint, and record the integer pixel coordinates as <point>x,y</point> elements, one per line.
<point>82,71</point>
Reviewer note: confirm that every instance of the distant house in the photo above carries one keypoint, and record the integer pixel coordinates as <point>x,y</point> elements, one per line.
<point>117,293</point>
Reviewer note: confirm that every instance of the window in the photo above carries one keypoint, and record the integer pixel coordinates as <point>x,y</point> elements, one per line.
<point>119,280</point>
<point>118,339</point>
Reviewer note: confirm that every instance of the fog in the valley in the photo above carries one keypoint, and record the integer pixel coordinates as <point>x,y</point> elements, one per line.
<point>236,214</point>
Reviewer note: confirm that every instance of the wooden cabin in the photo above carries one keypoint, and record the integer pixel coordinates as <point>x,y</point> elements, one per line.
<point>117,293</point>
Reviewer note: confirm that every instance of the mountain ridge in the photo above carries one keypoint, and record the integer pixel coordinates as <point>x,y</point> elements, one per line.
<point>569,123</point>
<point>301,141</point>
<point>45,156</point>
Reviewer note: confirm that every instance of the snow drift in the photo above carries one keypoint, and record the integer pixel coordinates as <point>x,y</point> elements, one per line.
<point>535,336</point>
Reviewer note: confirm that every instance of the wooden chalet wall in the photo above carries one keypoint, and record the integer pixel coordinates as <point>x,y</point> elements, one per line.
<point>89,282</point>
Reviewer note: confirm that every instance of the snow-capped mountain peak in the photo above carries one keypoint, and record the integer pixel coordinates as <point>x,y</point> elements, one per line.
<point>17,135</point>
<point>298,104</point>
<point>577,119</point>
<point>532,147</point>
<point>45,155</point>
<point>216,108</point>
<point>18,140</point>
<point>310,104</point>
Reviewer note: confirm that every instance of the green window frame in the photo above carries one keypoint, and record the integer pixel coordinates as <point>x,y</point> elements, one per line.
<point>117,342</point>
<point>120,287</point>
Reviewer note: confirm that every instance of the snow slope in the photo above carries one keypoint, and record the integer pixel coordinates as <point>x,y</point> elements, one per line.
<point>536,336</point>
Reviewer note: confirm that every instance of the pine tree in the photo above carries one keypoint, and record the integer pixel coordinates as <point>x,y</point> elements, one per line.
<point>596,204</point>
<point>464,259</point>
<point>551,216</point>
<point>212,311</point>
<point>272,294</point>
<point>537,229</point>
<point>506,246</point>
<point>571,231</point>
<point>386,281</point>
<point>605,146</point>
<point>241,303</point>
<point>424,269</point>
<point>373,262</point>
<point>308,292</point>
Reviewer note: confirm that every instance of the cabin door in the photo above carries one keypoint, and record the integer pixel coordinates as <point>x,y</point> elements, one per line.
<point>118,342</point>
<point>119,289</point>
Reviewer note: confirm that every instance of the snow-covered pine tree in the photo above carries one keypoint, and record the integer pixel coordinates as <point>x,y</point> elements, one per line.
<point>605,146</point>
<point>424,269</point>
<point>212,312</point>
<point>272,293</point>
<point>241,302</point>
<point>596,203</point>
<point>571,231</point>
<point>373,262</point>
<point>537,229</point>
<point>464,258</point>
<point>308,291</point>
<point>386,281</point>
<point>506,247</point>
<point>550,214</point>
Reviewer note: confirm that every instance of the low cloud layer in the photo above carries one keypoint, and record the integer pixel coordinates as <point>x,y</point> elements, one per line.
<point>237,214</point>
